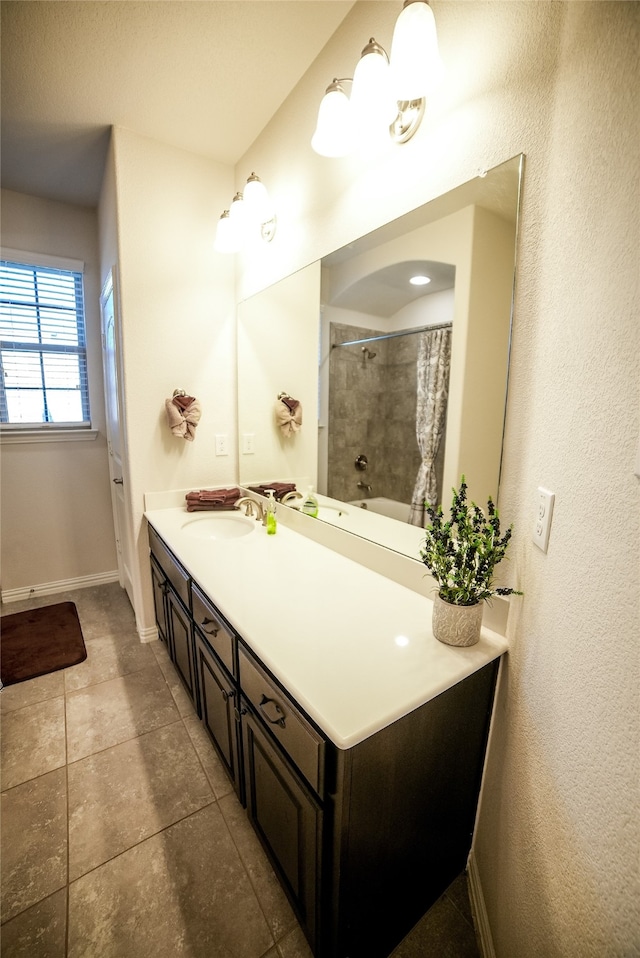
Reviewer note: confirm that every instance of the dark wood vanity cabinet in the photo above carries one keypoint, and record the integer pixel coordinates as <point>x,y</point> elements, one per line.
<point>364,840</point>
<point>171,596</point>
<point>215,653</point>
<point>284,765</point>
<point>287,818</point>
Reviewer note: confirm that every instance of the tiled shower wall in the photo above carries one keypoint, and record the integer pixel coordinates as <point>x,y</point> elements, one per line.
<point>372,412</point>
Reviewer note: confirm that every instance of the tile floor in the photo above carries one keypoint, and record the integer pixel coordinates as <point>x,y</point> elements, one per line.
<point>121,835</point>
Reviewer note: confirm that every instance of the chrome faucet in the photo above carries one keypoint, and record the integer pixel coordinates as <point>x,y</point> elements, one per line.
<point>251,507</point>
<point>364,485</point>
<point>290,496</point>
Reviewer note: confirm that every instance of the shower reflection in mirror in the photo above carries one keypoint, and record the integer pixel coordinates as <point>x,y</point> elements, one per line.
<point>387,398</point>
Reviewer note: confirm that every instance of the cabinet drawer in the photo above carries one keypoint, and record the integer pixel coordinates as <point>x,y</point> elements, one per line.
<point>207,620</point>
<point>170,566</point>
<point>278,713</point>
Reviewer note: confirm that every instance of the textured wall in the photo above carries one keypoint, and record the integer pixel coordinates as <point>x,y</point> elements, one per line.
<point>177,310</point>
<point>557,842</point>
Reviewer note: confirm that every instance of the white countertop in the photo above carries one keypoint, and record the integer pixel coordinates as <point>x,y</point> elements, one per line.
<point>354,648</point>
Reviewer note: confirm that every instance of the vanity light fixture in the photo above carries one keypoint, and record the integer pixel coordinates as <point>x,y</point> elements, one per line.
<point>387,94</point>
<point>249,217</point>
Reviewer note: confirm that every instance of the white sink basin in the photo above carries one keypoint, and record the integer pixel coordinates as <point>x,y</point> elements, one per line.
<point>222,525</point>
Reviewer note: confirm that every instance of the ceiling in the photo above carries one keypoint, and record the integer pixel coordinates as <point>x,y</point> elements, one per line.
<point>202,75</point>
<point>387,290</point>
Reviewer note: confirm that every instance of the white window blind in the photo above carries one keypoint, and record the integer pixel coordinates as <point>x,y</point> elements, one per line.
<point>42,347</point>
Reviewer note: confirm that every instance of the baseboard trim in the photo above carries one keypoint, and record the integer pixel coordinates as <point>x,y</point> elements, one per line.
<point>148,635</point>
<point>63,585</point>
<point>479,909</point>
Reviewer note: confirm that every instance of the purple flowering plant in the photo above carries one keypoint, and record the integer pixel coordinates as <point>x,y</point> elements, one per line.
<point>462,552</point>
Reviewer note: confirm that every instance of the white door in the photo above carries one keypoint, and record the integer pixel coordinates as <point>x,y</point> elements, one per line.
<point>117,463</point>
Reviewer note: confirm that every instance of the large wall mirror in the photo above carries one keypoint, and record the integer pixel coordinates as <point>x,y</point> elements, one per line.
<point>397,348</point>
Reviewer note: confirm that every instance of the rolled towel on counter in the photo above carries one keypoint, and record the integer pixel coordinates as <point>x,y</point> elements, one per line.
<point>183,415</point>
<point>203,499</point>
<point>280,489</point>
<point>288,414</point>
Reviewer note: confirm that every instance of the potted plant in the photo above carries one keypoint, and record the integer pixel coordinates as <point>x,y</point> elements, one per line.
<point>461,554</point>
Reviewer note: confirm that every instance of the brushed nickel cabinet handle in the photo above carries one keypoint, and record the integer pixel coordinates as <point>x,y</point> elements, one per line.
<point>276,719</point>
<point>214,631</point>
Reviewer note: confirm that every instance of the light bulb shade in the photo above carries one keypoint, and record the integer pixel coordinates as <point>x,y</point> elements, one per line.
<point>415,64</point>
<point>374,107</point>
<point>257,201</point>
<point>334,130</point>
<point>228,235</point>
<point>237,209</point>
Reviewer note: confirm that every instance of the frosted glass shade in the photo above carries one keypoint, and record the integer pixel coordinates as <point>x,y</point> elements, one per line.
<point>374,107</point>
<point>415,65</point>
<point>334,130</point>
<point>228,235</point>
<point>257,201</point>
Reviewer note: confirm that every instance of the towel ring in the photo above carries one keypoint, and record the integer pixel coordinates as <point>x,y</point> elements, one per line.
<point>178,392</point>
<point>284,395</point>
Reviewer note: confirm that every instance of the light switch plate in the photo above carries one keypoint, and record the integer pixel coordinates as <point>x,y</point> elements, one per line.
<point>542,523</point>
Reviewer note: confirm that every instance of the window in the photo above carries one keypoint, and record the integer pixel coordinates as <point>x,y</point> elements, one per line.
<point>43,360</point>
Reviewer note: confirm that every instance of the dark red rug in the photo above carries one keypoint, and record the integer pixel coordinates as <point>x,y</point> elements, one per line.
<point>40,641</point>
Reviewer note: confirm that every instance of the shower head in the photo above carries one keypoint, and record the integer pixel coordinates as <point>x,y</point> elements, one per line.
<point>367,354</point>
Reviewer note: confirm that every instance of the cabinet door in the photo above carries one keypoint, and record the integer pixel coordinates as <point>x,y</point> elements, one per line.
<point>218,698</point>
<point>159,591</point>
<point>181,642</point>
<point>287,819</point>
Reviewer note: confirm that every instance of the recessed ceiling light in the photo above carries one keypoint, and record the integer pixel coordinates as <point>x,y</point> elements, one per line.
<point>419,280</point>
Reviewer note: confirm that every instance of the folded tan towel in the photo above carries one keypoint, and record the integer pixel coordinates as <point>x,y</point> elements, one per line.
<point>183,415</point>
<point>211,499</point>
<point>288,415</point>
<point>280,489</point>
<point>214,496</point>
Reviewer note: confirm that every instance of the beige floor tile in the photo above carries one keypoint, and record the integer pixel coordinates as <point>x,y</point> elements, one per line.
<point>213,767</point>
<point>271,896</point>
<point>38,932</point>
<point>113,712</point>
<point>32,741</point>
<point>443,932</point>
<point>107,658</point>
<point>129,792</point>
<point>176,687</point>
<point>34,841</point>
<point>295,945</point>
<point>103,610</point>
<point>31,692</point>
<point>183,892</point>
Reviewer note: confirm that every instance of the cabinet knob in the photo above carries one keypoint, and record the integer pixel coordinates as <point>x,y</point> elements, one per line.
<point>277,717</point>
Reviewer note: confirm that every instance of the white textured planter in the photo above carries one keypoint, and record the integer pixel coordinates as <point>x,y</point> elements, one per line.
<point>456,624</point>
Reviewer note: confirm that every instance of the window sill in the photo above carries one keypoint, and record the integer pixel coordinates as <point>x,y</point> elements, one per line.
<point>47,435</point>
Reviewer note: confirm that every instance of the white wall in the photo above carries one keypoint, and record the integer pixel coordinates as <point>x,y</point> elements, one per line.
<point>557,840</point>
<point>57,525</point>
<point>178,326</point>
<point>278,352</point>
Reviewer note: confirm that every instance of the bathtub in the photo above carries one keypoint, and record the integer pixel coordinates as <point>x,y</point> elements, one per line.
<point>384,507</point>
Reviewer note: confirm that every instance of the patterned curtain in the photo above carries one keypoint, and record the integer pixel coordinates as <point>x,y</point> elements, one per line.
<point>434,358</point>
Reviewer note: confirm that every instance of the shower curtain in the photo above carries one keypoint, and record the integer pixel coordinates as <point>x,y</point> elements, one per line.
<point>434,358</point>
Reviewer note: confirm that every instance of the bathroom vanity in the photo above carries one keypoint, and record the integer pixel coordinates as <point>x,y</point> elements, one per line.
<point>354,739</point>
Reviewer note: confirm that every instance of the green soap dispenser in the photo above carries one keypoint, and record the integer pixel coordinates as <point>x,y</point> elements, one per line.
<point>270,512</point>
<point>310,503</point>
